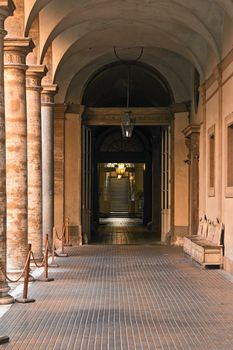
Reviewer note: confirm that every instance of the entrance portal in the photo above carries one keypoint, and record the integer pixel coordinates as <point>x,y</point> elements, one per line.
<point>106,192</point>
<point>121,190</point>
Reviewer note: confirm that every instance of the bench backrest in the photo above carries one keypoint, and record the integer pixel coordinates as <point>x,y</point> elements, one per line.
<point>218,233</point>
<point>212,231</point>
<point>205,229</point>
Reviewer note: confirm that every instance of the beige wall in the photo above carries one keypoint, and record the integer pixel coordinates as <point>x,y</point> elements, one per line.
<point>59,158</point>
<point>180,178</point>
<point>212,120</point>
<point>219,106</point>
<point>73,174</point>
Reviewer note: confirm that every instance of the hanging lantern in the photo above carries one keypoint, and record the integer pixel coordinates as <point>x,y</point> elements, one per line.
<point>127,124</point>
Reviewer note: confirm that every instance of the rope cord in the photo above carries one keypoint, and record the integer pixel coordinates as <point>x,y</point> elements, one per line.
<point>24,269</point>
<point>63,233</point>
<point>43,261</point>
<point>38,265</point>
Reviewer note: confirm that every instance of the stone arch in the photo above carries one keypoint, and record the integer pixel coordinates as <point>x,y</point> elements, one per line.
<point>111,80</point>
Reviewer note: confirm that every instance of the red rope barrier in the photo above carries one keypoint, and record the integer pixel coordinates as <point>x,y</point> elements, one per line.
<point>25,298</point>
<point>46,274</point>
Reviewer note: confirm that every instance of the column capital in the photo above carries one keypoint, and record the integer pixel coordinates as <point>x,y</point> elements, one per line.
<point>191,129</point>
<point>34,75</point>
<point>48,93</point>
<point>15,52</point>
<point>192,133</point>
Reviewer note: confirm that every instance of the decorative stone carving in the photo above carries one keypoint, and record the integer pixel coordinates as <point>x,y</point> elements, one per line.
<point>192,133</point>
<point>16,50</point>
<point>48,93</point>
<point>34,76</point>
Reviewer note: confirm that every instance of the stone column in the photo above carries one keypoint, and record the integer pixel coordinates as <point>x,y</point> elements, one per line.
<point>47,116</point>
<point>6,9</point>
<point>34,75</point>
<point>192,136</point>
<point>15,52</point>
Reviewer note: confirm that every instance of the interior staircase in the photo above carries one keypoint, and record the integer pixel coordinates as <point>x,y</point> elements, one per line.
<point>119,197</point>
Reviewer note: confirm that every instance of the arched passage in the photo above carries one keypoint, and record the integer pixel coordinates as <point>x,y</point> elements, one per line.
<point>106,96</point>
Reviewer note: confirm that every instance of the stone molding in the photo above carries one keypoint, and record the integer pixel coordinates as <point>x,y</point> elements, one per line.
<point>190,129</point>
<point>48,93</point>
<point>202,90</point>
<point>34,75</point>
<point>60,110</point>
<point>143,116</point>
<point>7,8</point>
<point>15,52</point>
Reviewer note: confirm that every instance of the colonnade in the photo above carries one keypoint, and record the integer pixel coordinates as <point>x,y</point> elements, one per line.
<point>26,154</point>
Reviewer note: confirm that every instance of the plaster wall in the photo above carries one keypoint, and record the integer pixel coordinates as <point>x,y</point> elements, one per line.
<point>201,174</point>
<point>73,174</point>
<point>212,110</point>
<point>218,108</point>
<point>180,178</point>
<point>227,202</point>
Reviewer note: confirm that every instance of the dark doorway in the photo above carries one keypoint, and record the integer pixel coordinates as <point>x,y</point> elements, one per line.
<point>109,151</point>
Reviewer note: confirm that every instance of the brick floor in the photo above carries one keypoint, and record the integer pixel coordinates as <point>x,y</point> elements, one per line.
<point>124,231</point>
<point>125,297</point>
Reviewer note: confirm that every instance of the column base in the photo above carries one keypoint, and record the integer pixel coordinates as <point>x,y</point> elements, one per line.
<point>45,279</point>
<point>62,255</point>
<point>24,300</point>
<point>5,298</point>
<point>54,264</point>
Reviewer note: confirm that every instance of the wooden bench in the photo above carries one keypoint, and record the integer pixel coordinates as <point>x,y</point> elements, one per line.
<point>206,247</point>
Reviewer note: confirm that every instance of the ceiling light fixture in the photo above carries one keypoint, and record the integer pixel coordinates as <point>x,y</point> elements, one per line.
<point>128,120</point>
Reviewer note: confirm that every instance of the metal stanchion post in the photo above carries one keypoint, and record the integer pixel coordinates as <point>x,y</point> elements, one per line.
<point>53,262</point>
<point>4,339</point>
<point>25,298</point>
<point>68,244</point>
<point>63,254</point>
<point>46,275</point>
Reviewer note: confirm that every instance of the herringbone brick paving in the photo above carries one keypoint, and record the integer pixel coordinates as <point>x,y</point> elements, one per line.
<point>125,297</point>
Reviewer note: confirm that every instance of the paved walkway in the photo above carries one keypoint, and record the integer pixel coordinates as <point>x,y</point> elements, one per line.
<point>124,231</point>
<point>125,297</point>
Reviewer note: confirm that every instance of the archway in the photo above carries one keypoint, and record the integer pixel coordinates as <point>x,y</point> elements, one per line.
<point>103,144</point>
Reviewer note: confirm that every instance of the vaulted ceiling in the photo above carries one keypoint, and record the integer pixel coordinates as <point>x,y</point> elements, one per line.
<point>177,36</point>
